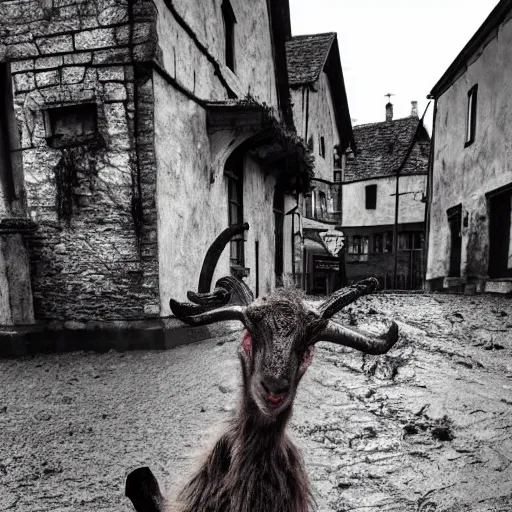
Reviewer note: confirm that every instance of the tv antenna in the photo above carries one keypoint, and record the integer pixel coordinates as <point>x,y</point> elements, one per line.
<point>389,94</point>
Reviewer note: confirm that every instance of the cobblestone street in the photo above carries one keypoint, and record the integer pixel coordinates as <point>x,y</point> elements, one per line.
<point>426,427</point>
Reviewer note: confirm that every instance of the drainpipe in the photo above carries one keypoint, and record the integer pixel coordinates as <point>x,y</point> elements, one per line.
<point>430,177</point>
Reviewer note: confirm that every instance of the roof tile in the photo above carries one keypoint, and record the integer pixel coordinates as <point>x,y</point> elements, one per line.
<point>306,56</point>
<point>381,147</point>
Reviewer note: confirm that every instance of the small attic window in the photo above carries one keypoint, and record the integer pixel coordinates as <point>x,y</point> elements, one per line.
<point>322,147</point>
<point>71,125</point>
<point>229,19</point>
<point>391,147</point>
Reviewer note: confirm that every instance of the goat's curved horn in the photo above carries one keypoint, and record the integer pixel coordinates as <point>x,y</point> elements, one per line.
<point>227,289</point>
<point>213,255</point>
<point>338,300</point>
<point>336,333</point>
<point>208,317</point>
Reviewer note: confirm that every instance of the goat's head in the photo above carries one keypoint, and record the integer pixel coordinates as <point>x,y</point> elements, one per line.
<point>281,331</point>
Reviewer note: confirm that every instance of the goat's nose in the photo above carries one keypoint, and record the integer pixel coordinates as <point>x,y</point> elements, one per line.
<point>275,386</point>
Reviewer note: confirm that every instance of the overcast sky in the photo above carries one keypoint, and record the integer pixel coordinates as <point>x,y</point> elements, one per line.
<point>392,46</point>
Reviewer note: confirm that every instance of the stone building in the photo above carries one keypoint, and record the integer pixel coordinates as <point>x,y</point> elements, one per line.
<point>369,185</point>
<point>136,133</point>
<point>470,242</point>
<point>322,117</point>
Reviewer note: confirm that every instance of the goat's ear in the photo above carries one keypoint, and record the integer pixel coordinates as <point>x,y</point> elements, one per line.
<point>143,491</point>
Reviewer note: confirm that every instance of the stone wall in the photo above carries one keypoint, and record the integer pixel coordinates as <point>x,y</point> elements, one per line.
<point>89,174</point>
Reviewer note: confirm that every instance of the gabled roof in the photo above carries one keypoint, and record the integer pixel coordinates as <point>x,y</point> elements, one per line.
<point>306,57</point>
<point>481,37</point>
<point>381,148</point>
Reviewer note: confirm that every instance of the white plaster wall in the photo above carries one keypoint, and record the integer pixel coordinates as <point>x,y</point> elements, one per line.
<point>411,209</point>
<point>321,122</point>
<point>254,64</point>
<point>191,211</point>
<point>464,175</point>
<point>258,212</point>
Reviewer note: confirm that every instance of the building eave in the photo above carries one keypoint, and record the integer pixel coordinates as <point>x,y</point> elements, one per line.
<point>265,137</point>
<point>497,16</point>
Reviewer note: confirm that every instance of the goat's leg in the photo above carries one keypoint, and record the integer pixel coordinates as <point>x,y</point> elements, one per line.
<point>143,491</point>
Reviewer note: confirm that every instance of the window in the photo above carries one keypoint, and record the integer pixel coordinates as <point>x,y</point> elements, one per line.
<point>388,241</point>
<point>7,132</point>
<point>229,19</point>
<point>234,174</point>
<point>323,204</point>
<point>371,197</point>
<point>71,125</point>
<point>278,208</point>
<point>377,242</point>
<point>322,147</point>
<point>391,147</point>
<point>358,246</point>
<point>471,115</point>
<point>337,176</point>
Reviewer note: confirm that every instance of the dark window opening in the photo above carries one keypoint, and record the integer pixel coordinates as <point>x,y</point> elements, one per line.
<point>322,147</point>
<point>471,115</point>
<point>454,220</point>
<point>71,125</point>
<point>391,147</point>
<point>234,174</point>
<point>309,206</point>
<point>337,176</point>
<point>7,132</point>
<point>278,208</point>
<point>229,19</point>
<point>377,243</point>
<point>323,204</point>
<point>388,241</point>
<point>371,197</point>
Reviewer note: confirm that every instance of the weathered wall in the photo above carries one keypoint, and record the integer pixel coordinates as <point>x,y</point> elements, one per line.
<point>258,212</point>
<point>411,209</point>
<point>184,60</point>
<point>93,258</point>
<point>192,201</point>
<point>465,175</point>
<point>320,122</point>
<point>192,211</point>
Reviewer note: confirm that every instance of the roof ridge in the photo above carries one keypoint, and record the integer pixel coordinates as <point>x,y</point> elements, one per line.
<point>386,122</point>
<point>313,35</point>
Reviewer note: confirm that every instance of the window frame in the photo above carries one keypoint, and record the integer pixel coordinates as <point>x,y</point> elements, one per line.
<point>471,113</point>
<point>229,20</point>
<point>321,147</point>
<point>234,173</point>
<point>368,204</point>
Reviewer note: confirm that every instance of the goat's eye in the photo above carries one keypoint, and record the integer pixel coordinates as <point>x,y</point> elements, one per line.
<point>247,342</point>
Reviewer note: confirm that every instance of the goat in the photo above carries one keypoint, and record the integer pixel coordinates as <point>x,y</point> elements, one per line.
<point>254,466</point>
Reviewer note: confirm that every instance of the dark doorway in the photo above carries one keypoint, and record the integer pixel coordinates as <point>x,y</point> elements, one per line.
<point>279,232</point>
<point>499,234</point>
<point>454,220</point>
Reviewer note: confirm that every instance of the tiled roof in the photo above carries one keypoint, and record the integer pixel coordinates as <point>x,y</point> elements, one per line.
<point>306,56</point>
<point>381,148</point>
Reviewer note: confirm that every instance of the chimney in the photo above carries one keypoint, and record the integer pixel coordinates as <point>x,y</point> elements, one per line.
<point>414,108</point>
<point>389,112</point>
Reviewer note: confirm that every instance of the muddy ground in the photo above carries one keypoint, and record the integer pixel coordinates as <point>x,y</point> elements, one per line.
<point>427,427</point>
